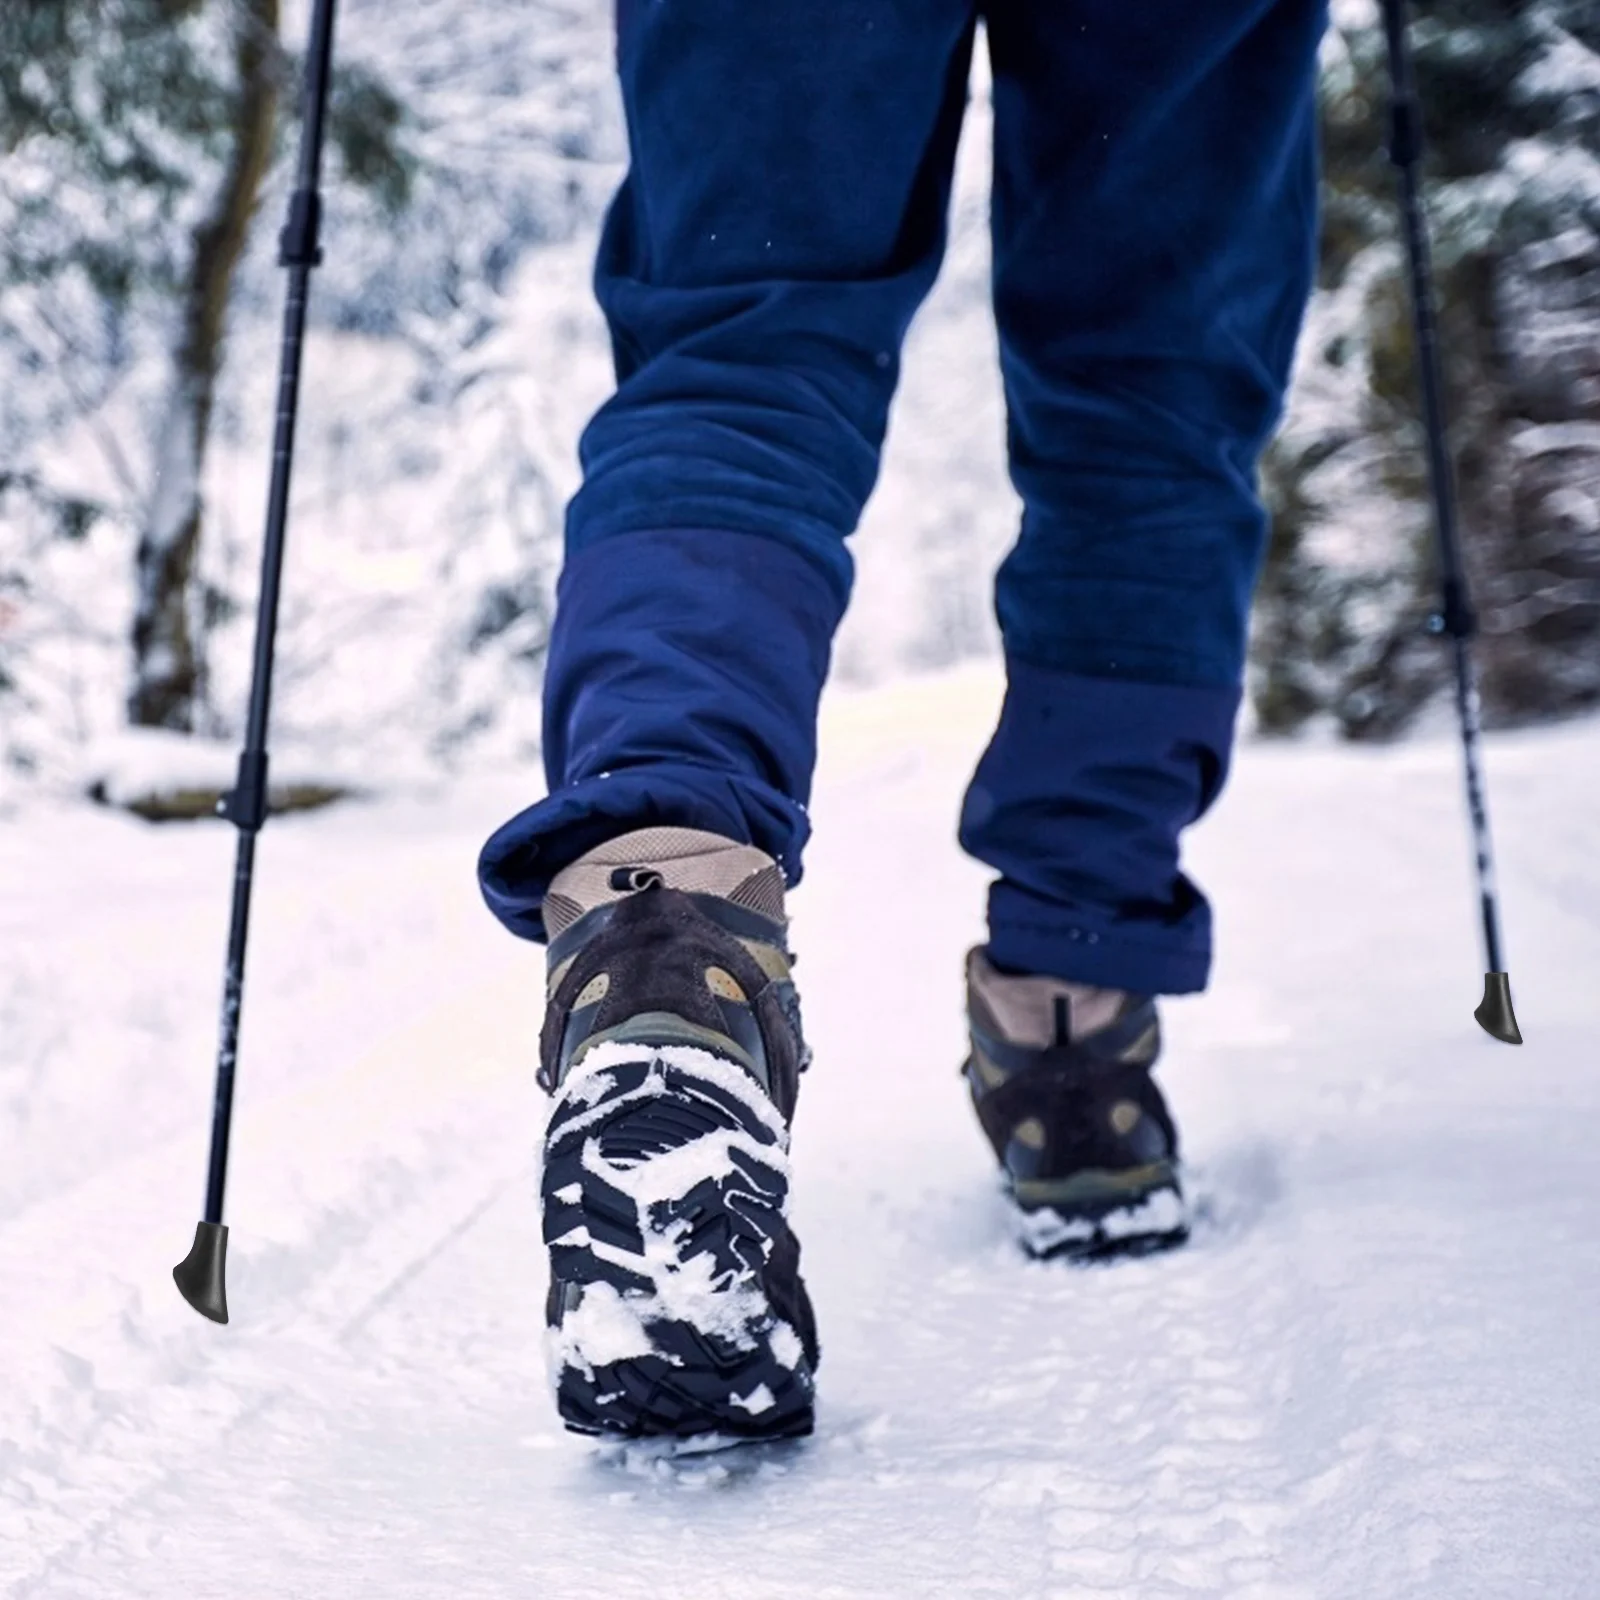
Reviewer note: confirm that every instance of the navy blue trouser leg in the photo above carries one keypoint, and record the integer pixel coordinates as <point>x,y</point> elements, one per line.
<point>1154,223</point>
<point>782,218</point>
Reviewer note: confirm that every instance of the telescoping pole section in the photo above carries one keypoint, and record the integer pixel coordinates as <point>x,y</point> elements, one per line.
<point>200,1275</point>
<point>1455,617</point>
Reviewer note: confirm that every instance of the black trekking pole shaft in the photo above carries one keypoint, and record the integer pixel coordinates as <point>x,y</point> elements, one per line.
<point>1455,617</point>
<point>200,1275</point>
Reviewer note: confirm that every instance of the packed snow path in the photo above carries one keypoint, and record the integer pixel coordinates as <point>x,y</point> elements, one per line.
<point>1372,1372</point>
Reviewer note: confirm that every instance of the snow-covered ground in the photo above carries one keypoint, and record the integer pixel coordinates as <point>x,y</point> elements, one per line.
<point>1370,1374</point>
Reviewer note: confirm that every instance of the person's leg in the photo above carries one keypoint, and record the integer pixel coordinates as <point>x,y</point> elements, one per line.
<point>1154,221</point>
<point>782,218</point>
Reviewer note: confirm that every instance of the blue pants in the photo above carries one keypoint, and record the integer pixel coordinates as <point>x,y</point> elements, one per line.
<point>1154,225</point>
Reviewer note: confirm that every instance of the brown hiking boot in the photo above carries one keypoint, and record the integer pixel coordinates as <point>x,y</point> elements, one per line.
<point>1060,1079</point>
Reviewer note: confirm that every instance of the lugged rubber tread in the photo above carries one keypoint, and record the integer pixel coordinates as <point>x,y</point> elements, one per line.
<point>690,1384</point>
<point>1103,1249</point>
<point>1106,1230</point>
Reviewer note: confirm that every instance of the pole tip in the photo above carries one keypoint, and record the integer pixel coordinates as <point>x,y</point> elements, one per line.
<point>1494,1012</point>
<point>199,1276</point>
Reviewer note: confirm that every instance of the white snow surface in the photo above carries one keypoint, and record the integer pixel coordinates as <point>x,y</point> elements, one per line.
<point>1371,1373</point>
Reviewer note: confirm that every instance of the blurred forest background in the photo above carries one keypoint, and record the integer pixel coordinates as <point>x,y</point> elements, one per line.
<point>146,148</point>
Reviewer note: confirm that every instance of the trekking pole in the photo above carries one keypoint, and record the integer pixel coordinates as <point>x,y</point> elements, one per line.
<point>200,1275</point>
<point>1455,617</point>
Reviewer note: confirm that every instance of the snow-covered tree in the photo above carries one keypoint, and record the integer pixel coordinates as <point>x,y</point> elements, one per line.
<point>445,383</point>
<point>138,135</point>
<point>1511,101</point>
<point>167,664</point>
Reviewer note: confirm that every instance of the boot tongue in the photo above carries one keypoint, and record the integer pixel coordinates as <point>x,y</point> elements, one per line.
<point>1037,1011</point>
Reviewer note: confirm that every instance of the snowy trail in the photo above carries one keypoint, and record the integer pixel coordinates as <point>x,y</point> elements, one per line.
<point>1369,1374</point>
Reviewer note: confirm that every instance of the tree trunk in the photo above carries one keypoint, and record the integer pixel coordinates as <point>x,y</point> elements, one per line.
<point>168,665</point>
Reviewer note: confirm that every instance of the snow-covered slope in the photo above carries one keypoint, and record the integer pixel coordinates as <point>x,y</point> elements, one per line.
<point>1371,1373</point>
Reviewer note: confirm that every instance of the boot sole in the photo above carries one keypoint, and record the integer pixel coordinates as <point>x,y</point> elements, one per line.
<point>1107,1228</point>
<point>676,1308</point>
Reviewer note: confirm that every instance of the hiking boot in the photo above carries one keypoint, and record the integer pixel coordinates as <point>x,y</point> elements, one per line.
<point>1060,1079</point>
<point>672,1047</point>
